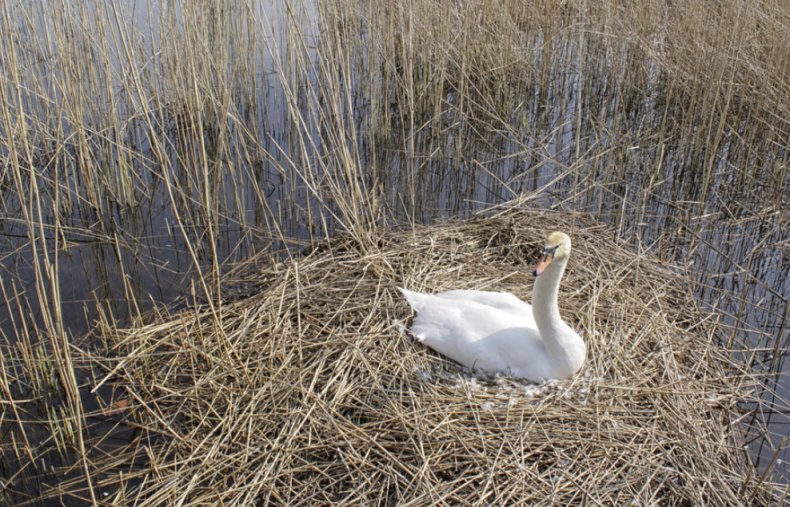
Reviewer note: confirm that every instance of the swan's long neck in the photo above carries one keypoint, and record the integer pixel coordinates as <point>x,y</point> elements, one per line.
<point>544,299</point>
<point>563,344</point>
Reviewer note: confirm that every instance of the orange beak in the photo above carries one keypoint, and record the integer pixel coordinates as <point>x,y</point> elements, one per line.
<point>543,264</point>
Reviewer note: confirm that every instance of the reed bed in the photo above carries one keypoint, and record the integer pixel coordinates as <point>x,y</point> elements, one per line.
<point>152,144</point>
<point>306,391</point>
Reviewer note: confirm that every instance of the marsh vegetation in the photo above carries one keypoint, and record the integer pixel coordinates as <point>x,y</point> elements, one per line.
<point>165,156</point>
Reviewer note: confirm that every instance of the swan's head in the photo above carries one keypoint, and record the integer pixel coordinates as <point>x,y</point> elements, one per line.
<point>557,248</point>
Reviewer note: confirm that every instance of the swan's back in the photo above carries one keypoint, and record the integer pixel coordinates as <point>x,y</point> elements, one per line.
<point>492,331</point>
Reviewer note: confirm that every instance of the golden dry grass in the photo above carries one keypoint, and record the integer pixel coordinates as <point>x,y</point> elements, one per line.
<point>305,392</point>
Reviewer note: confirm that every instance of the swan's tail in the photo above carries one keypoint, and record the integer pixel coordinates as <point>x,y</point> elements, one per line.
<point>416,300</point>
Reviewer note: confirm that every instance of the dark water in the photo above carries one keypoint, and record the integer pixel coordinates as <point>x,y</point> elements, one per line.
<point>125,258</point>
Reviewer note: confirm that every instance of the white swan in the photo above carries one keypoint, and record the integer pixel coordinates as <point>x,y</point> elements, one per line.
<point>497,332</point>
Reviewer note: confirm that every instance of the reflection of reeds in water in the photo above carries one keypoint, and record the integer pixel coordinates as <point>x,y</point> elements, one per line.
<point>149,150</point>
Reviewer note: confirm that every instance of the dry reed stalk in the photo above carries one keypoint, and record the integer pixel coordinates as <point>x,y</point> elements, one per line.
<point>328,402</point>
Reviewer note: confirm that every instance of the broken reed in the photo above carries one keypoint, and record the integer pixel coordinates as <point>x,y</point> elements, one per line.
<point>240,115</point>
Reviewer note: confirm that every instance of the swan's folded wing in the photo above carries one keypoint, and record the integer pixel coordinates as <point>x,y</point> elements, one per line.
<point>461,322</point>
<point>500,300</point>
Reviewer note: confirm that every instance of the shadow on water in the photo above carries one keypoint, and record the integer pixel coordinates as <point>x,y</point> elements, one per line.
<point>720,213</point>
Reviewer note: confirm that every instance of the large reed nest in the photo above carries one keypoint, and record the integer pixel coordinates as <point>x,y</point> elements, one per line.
<point>308,392</point>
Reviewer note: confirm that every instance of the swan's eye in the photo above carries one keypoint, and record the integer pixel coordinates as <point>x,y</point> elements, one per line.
<point>550,250</point>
